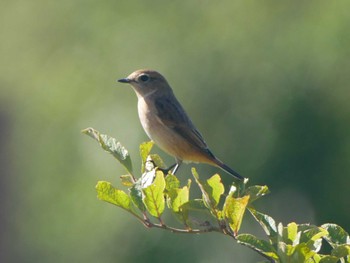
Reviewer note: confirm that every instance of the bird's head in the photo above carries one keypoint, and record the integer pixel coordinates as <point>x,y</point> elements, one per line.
<point>147,82</point>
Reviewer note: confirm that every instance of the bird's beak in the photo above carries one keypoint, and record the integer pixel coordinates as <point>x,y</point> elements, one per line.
<point>125,80</point>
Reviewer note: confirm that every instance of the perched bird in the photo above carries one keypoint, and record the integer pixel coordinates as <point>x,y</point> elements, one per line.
<point>166,122</point>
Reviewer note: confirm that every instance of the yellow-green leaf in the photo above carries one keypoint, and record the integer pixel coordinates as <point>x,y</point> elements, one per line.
<point>211,190</point>
<point>302,253</point>
<point>214,188</point>
<point>290,233</point>
<point>106,192</point>
<point>127,180</point>
<point>171,182</point>
<point>158,161</point>
<point>153,195</point>
<point>206,198</point>
<point>178,197</point>
<point>234,209</point>
<point>145,149</point>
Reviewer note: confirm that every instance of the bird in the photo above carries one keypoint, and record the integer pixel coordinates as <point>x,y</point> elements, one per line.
<point>167,124</point>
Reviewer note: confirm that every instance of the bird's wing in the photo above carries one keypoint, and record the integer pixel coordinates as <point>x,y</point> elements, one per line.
<point>172,115</point>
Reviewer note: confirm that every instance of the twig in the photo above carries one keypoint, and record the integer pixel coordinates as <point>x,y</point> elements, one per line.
<point>181,231</point>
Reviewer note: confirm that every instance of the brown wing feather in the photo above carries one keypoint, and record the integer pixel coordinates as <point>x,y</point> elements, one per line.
<point>171,114</point>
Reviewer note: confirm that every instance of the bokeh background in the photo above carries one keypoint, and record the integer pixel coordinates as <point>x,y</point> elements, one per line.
<point>266,82</point>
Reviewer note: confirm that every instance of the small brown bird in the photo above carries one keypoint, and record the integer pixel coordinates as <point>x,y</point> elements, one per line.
<point>166,122</point>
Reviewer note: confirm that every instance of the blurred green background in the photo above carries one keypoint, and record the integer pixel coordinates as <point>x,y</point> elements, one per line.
<point>266,82</point>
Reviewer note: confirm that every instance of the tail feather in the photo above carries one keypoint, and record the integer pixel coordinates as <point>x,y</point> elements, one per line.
<point>228,169</point>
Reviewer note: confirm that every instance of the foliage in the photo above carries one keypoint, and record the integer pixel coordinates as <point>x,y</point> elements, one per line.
<point>155,191</point>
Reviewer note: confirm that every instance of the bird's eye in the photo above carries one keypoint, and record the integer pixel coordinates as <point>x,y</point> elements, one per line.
<point>144,78</point>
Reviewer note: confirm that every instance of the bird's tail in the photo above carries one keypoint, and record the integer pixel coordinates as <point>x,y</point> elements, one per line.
<point>228,169</point>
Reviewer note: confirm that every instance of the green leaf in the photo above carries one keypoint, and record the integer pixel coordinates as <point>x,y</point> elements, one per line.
<point>267,223</point>
<point>206,198</point>
<point>145,149</point>
<point>106,192</point>
<point>290,234</point>
<point>111,146</point>
<point>233,211</point>
<point>256,192</point>
<point>214,188</point>
<point>259,245</point>
<point>176,196</point>
<point>136,197</point>
<point>211,190</point>
<point>283,251</point>
<point>153,197</point>
<point>311,232</point>
<point>171,182</point>
<point>127,180</point>
<point>179,197</point>
<point>341,251</point>
<point>329,259</point>
<point>312,236</point>
<point>302,253</point>
<point>315,259</point>
<point>336,235</point>
<point>158,161</point>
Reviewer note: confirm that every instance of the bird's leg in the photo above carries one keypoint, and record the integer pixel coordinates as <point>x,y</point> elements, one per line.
<point>176,166</point>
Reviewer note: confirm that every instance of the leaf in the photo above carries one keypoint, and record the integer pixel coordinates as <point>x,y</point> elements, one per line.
<point>205,195</point>
<point>283,251</point>
<point>302,253</point>
<point>256,192</point>
<point>329,259</point>
<point>290,234</point>
<point>176,196</point>
<point>315,259</point>
<point>312,236</point>
<point>171,182</point>
<point>211,190</point>
<point>315,245</point>
<point>259,245</point>
<point>106,192</point>
<point>136,197</point>
<point>158,161</point>
<point>267,223</point>
<point>341,251</point>
<point>214,188</point>
<point>311,232</point>
<point>145,149</point>
<point>153,196</point>
<point>234,209</point>
<point>336,235</point>
<point>127,180</point>
<point>179,197</point>
<point>111,146</point>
